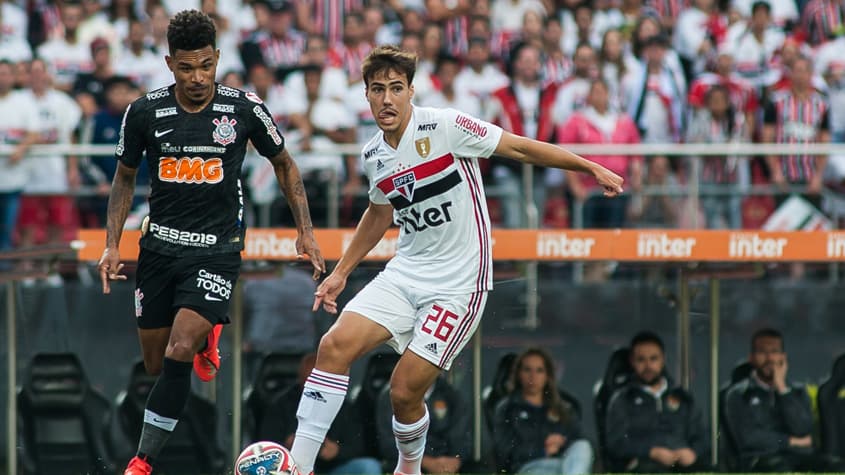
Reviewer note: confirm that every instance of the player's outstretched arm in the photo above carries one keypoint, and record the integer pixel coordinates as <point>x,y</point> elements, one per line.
<point>545,154</point>
<point>374,223</point>
<point>287,174</point>
<point>120,202</point>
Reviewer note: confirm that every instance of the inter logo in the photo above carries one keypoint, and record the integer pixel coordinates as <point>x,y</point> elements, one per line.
<point>423,147</point>
<point>404,184</point>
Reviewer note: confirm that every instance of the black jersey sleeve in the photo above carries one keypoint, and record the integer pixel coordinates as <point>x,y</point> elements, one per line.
<point>263,131</point>
<point>130,144</point>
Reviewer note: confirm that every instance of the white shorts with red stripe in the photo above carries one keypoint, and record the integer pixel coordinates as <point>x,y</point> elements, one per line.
<point>433,325</point>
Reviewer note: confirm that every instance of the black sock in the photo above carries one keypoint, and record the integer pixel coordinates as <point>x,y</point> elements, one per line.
<point>165,404</point>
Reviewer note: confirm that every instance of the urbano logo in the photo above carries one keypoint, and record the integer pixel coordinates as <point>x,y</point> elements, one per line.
<point>661,245</point>
<point>753,246</point>
<point>561,245</point>
<point>471,126</point>
<point>836,245</point>
<point>190,170</point>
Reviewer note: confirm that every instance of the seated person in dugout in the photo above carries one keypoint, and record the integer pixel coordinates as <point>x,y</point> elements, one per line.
<point>653,426</point>
<point>535,431</point>
<point>770,419</point>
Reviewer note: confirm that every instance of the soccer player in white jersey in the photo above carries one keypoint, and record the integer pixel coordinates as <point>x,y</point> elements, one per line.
<point>426,304</point>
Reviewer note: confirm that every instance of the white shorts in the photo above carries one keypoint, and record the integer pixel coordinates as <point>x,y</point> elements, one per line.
<point>434,326</point>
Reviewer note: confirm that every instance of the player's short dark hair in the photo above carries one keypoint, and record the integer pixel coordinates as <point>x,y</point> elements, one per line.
<point>389,58</point>
<point>191,30</point>
<point>761,4</point>
<point>644,337</point>
<point>766,333</point>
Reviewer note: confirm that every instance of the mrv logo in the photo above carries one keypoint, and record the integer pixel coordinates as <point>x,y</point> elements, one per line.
<point>413,220</point>
<point>427,127</point>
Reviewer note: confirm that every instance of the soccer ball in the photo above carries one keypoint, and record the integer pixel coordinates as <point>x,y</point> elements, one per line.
<point>265,458</point>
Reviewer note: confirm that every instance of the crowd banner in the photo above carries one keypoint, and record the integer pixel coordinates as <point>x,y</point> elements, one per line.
<point>632,245</point>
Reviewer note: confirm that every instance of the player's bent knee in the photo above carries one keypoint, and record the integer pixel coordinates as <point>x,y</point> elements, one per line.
<point>335,351</point>
<point>404,398</point>
<point>180,350</point>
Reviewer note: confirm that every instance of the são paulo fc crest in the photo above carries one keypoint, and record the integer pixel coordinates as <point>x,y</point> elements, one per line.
<point>224,132</point>
<point>423,147</point>
<point>404,184</point>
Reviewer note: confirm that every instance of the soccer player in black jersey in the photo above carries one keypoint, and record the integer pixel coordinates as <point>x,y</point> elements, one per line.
<point>194,134</point>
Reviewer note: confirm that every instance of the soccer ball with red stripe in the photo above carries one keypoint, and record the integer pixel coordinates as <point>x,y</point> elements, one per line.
<point>265,458</point>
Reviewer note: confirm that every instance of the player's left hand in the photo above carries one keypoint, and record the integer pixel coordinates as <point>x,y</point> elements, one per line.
<point>327,292</point>
<point>611,182</point>
<point>306,246</point>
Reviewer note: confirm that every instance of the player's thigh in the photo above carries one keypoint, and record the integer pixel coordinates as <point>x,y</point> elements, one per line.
<point>382,312</point>
<point>412,377</point>
<point>205,284</point>
<point>444,325</point>
<point>153,345</point>
<point>154,292</point>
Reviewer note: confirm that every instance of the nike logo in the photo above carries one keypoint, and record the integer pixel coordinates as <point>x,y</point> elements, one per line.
<point>212,298</point>
<point>162,133</point>
<point>160,421</point>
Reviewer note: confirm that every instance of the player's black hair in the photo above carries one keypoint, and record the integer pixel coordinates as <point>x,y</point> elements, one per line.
<point>767,333</point>
<point>389,58</point>
<point>191,30</point>
<point>761,4</point>
<point>647,337</point>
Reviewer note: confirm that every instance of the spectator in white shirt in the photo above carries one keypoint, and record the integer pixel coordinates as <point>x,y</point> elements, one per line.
<point>17,130</point>
<point>137,61</point>
<point>658,96</point>
<point>753,44</point>
<point>572,94</point>
<point>45,204</point>
<point>67,56</point>
<point>446,97</point>
<point>617,67</point>
<point>695,40</point>
<point>479,76</point>
<point>507,15</point>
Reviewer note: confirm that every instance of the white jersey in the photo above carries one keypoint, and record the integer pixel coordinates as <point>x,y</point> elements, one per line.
<point>13,129</point>
<point>433,181</point>
<point>58,115</point>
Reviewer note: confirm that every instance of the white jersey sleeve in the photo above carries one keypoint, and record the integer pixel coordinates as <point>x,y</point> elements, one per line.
<point>468,136</point>
<point>373,165</point>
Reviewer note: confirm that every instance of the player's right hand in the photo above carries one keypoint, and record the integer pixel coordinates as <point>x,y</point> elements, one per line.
<point>110,267</point>
<point>327,293</point>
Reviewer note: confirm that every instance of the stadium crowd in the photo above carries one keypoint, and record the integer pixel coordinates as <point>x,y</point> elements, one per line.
<point>569,71</point>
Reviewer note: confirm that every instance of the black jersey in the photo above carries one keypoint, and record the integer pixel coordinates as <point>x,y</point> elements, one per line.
<point>195,159</point>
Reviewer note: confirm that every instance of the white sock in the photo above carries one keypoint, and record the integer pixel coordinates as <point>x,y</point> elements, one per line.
<point>322,396</point>
<point>410,440</point>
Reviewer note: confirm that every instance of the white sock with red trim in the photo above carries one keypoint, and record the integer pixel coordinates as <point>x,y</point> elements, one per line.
<point>410,440</point>
<point>322,396</point>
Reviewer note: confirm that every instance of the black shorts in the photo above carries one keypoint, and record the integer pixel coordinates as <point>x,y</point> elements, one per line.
<point>164,284</point>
